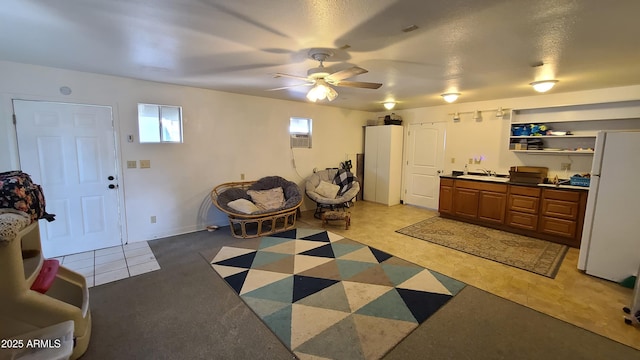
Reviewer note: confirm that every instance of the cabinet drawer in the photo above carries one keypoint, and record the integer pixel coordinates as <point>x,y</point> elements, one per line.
<point>559,209</point>
<point>561,195</point>
<point>481,185</point>
<point>559,227</point>
<point>525,190</point>
<point>522,203</point>
<point>522,220</point>
<point>446,182</point>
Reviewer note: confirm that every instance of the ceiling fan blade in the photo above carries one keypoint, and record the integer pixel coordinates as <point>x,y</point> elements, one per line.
<point>358,84</point>
<point>289,87</point>
<point>277,75</point>
<point>346,73</point>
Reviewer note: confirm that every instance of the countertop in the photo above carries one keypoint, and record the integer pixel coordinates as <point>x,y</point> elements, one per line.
<point>568,187</point>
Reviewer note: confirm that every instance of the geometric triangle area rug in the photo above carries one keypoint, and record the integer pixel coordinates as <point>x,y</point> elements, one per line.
<point>329,297</point>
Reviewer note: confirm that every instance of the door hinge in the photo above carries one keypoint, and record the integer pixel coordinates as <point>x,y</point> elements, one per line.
<point>14,119</point>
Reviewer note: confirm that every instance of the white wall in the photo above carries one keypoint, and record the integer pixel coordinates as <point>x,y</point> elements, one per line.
<point>489,138</point>
<point>225,135</point>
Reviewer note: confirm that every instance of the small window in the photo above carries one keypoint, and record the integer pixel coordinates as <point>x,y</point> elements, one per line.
<point>300,132</point>
<point>159,123</point>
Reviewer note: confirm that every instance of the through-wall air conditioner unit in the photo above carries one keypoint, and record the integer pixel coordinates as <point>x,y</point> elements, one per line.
<point>301,141</point>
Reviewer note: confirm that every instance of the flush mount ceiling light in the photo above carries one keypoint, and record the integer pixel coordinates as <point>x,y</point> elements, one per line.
<point>389,105</point>
<point>321,90</point>
<point>543,85</point>
<point>450,97</point>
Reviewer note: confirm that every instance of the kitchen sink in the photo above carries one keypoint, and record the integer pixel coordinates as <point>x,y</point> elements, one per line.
<point>484,178</point>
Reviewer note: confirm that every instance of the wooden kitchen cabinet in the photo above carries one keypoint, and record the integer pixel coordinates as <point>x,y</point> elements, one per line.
<point>562,214</point>
<point>445,204</point>
<point>466,202</point>
<point>551,214</point>
<point>480,200</point>
<point>492,205</point>
<point>522,209</point>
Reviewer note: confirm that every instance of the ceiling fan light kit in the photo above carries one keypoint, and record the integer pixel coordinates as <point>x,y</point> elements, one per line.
<point>322,79</point>
<point>543,85</point>
<point>450,97</point>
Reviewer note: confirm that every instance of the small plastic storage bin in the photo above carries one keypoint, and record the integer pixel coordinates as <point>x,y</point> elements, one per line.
<point>580,181</point>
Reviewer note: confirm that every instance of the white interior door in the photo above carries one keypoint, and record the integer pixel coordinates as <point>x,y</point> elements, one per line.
<point>69,149</point>
<point>425,161</point>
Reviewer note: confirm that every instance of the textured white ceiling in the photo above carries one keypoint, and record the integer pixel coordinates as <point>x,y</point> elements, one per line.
<point>482,49</point>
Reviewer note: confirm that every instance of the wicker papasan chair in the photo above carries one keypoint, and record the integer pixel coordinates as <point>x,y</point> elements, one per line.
<point>258,208</point>
<point>346,189</point>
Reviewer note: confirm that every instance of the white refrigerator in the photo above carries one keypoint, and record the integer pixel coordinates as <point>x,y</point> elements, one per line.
<point>610,247</point>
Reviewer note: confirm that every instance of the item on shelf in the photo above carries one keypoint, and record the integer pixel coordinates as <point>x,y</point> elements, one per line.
<point>538,130</point>
<point>393,119</point>
<point>580,180</point>
<point>519,130</point>
<point>535,144</point>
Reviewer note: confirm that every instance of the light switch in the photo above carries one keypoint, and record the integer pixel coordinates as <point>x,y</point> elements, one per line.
<point>145,164</point>
<point>132,164</point>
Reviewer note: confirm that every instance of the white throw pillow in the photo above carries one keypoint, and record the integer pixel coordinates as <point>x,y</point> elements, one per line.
<point>327,189</point>
<point>267,199</point>
<point>243,205</point>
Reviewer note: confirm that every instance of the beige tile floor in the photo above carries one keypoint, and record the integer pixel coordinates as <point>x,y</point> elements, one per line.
<point>582,300</point>
<point>112,264</point>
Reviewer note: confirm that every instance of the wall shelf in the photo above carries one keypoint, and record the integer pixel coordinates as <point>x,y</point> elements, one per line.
<point>583,121</point>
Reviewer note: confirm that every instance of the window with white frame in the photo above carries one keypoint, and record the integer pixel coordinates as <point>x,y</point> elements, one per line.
<point>159,123</point>
<point>300,132</point>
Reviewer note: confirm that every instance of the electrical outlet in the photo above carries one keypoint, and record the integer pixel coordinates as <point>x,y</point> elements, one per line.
<point>565,166</point>
<point>153,219</point>
<point>470,161</point>
<point>145,164</point>
<point>242,176</point>
<point>453,160</point>
<point>132,164</point>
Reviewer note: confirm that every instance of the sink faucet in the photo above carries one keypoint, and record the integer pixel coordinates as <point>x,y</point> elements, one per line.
<point>487,172</point>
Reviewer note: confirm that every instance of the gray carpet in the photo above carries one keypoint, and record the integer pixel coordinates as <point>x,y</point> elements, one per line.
<point>186,311</point>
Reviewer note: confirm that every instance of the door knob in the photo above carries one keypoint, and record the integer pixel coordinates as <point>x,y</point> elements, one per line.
<point>110,178</point>
<point>111,186</point>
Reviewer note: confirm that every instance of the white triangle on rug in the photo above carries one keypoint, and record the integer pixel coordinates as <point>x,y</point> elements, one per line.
<point>424,281</point>
<point>228,252</point>
<point>308,321</point>
<point>303,263</point>
<point>360,294</point>
<point>305,245</point>
<point>258,278</point>
<point>333,237</point>
<point>225,271</point>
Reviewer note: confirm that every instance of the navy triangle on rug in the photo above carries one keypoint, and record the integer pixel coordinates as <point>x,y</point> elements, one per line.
<point>326,296</point>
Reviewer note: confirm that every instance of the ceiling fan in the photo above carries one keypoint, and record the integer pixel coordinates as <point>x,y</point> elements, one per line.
<point>322,80</point>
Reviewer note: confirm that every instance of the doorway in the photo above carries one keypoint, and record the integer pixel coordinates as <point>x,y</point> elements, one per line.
<point>69,149</point>
<point>425,162</point>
